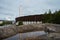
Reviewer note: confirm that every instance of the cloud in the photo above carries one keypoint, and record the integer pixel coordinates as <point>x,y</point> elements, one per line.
<point>36,6</point>
<point>30,7</point>
<point>6,14</point>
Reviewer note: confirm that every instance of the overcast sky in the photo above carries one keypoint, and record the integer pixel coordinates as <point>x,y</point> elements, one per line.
<point>9,9</point>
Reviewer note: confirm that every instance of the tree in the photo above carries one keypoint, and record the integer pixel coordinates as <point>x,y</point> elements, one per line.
<point>49,15</point>
<point>44,17</point>
<point>57,17</point>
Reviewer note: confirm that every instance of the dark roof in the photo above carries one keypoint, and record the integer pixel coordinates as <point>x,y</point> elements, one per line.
<point>30,18</point>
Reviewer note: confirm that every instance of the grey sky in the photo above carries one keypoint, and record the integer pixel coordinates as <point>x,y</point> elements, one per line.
<point>10,8</point>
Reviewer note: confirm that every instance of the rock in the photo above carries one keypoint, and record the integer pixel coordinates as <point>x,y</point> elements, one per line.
<point>7,31</point>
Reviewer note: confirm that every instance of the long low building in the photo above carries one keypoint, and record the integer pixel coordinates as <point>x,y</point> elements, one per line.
<point>30,19</point>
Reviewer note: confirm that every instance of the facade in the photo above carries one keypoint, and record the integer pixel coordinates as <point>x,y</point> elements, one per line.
<point>31,19</point>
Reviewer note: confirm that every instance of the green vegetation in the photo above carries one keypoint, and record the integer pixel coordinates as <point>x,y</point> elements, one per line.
<point>51,17</point>
<point>5,23</point>
<point>2,24</point>
<point>19,23</point>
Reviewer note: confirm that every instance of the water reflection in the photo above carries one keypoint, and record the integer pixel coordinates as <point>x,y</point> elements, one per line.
<point>25,35</point>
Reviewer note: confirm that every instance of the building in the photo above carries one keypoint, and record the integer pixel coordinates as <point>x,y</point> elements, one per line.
<point>31,19</point>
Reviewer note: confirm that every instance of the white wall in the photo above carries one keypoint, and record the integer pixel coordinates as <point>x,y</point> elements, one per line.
<point>31,22</point>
